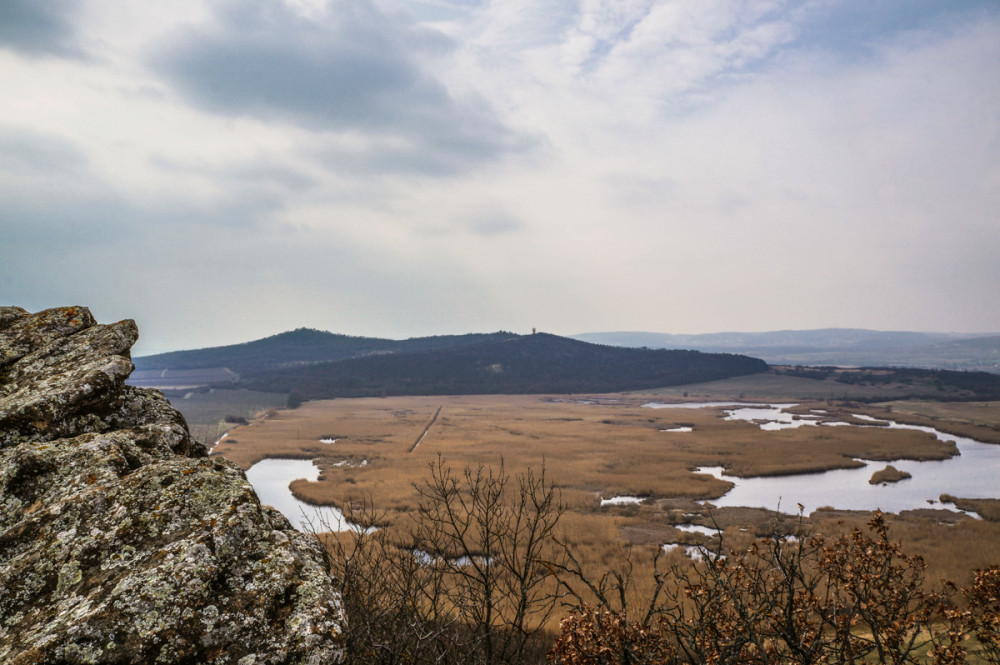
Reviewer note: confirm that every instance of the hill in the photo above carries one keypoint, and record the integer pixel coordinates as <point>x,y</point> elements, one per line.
<point>832,346</point>
<point>539,363</point>
<point>296,347</point>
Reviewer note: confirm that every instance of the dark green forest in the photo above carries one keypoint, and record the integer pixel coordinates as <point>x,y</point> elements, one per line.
<point>539,363</point>
<point>950,385</point>
<point>302,346</point>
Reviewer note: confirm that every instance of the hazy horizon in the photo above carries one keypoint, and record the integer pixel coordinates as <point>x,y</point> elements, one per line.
<point>226,170</point>
<point>961,335</point>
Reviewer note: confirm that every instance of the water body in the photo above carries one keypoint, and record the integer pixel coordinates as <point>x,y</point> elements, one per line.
<point>621,501</point>
<point>696,528</point>
<point>972,474</point>
<point>270,479</point>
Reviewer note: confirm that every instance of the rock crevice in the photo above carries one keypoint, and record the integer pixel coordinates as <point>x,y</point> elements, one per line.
<point>120,540</point>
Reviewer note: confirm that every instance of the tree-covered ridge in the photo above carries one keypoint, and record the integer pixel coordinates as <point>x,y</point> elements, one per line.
<point>301,346</point>
<point>539,363</point>
<point>950,385</point>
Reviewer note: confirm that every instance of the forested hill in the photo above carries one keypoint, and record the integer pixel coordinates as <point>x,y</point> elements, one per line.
<point>302,346</point>
<point>539,363</point>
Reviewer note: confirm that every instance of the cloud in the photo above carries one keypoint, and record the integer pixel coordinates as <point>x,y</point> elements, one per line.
<point>658,164</point>
<point>24,152</point>
<point>495,225</point>
<point>350,69</point>
<point>38,28</point>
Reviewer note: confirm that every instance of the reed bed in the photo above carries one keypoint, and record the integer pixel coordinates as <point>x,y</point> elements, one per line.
<point>600,447</point>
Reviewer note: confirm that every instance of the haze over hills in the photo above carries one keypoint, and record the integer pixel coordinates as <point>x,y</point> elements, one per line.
<point>315,364</point>
<point>831,346</point>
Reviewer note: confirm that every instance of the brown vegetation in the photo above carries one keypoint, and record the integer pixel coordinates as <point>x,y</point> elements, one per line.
<point>478,569</point>
<point>889,474</point>
<point>596,447</point>
<point>610,447</point>
<point>857,599</point>
<point>975,420</point>
<point>465,579</point>
<point>607,447</point>
<point>988,509</point>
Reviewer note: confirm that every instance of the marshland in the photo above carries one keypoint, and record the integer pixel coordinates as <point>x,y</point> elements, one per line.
<point>604,446</point>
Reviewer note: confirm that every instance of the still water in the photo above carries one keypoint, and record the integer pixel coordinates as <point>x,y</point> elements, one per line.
<point>973,474</point>
<point>270,479</point>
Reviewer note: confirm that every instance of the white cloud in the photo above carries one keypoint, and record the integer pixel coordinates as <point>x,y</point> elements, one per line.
<point>422,167</point>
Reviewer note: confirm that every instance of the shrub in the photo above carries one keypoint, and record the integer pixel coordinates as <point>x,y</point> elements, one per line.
<point>784,600</point>
<point>981,618</point>
<point>476,573</point>
<point>463,582</point>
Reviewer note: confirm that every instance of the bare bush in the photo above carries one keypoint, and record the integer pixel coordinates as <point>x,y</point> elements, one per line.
<point>784,600</point>
<point>476,573</point>
<point>491,533</point>
<point>463,582</point>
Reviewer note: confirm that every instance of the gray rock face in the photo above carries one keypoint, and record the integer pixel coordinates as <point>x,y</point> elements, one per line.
<point>120,541</point>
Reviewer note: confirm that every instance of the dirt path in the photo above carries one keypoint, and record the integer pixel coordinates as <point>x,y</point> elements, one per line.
<point>426,429</point>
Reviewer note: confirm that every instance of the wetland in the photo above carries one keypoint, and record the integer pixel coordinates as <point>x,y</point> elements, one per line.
<point>678,467</point>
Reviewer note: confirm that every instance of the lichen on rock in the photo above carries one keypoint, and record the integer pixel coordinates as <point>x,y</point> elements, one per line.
<point>120,540</point>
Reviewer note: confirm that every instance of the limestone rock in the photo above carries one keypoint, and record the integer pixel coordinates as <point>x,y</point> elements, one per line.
<point>120,541</point>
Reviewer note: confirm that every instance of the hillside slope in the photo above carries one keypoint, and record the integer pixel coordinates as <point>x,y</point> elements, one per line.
<point>300,346</point>
<point>539,363</point>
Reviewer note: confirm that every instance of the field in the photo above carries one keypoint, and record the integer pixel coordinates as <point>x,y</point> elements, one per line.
<point>601,447</point>
<point>205,411</point>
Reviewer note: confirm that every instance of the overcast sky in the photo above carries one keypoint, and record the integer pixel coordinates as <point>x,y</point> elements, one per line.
<point>225,170</point>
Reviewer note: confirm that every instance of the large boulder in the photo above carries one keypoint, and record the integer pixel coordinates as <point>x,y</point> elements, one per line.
<point>120,540</point>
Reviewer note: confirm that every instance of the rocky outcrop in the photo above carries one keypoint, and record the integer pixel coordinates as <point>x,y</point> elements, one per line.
<point>120,540</point>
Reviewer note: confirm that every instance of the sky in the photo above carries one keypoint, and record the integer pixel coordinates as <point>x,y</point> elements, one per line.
<point>223,170</point>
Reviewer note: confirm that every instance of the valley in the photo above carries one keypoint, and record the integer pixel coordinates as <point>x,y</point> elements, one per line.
<point>598,447</point>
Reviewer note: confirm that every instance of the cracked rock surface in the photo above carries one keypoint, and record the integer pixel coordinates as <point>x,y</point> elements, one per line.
<point>120,541</point>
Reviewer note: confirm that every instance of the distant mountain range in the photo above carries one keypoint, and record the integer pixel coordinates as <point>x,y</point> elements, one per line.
<point>318,364</point>
<point>831,346</point>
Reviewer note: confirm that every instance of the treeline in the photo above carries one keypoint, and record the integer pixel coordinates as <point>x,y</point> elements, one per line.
<point>539,363</point>
<point>478,571</point>
<point>950,384</point>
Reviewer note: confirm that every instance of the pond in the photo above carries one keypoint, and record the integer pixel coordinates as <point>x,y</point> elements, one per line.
<point>270,479</point>
<point>972,474</point>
